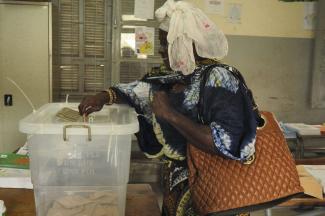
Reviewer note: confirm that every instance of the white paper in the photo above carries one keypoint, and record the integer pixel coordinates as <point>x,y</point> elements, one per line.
<point>144,9</point>
<point>309,15</point>
<point>15,178</point>
<point>23,150</point>
<point>234,14</point>
<point>318,172</point>
<point>214,6</point>
<point>144,40</point>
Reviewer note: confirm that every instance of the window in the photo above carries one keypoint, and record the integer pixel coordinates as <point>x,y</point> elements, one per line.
<point>82,44</point>
<point>92,50</point>
<point>133,66</point>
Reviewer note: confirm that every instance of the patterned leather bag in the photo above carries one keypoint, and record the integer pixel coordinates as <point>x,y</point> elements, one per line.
<point>221,186</point>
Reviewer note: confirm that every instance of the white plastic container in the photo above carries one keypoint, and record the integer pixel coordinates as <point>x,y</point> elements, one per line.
<point>81,159</point>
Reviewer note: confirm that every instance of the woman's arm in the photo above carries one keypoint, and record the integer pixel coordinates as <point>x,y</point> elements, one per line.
<point>196,134</point>
<point>134,94</point>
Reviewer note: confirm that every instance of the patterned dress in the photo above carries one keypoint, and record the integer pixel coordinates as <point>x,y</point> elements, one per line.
<point>226,108</point>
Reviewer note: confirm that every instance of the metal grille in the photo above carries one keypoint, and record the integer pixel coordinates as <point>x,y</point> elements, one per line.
<point>131,71</point>
<point>69,77</point>
<point>83,39</point>
<point>82,35</point>
<point>69,27</point>
<point>94,78</point>
<point>94,28</point>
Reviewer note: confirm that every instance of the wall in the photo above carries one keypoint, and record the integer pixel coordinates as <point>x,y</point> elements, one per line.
<point>270,18</point>
<point>274,53</point>
<point>278,70</point>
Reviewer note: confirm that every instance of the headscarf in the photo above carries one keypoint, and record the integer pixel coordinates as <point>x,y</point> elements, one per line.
<point>186,24</point>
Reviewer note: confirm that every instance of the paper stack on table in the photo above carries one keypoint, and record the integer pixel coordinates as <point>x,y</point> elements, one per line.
<point>14,171</point>
<point>318,172</point>
<point>288,132</point>
<point>311,186</point>
<point>304,129</point>
<point>15,178</point>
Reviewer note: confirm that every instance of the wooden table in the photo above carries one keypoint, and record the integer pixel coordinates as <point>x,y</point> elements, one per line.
<point>141,201</point>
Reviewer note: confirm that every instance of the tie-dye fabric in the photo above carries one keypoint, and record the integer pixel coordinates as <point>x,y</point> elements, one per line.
<point>226,106</point>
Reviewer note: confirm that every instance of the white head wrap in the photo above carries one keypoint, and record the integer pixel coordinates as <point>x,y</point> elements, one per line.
<point>186,24</point>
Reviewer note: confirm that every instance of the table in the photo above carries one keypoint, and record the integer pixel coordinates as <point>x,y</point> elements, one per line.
<point>141,201</point>
<point>301,144</point>
<point>297,149</point>
<point>305,201</point>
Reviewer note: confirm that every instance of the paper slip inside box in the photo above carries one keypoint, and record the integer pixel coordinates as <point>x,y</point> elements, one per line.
<point>311,186</point>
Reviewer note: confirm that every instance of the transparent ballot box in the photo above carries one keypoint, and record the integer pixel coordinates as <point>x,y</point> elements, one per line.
<point>80,168</point>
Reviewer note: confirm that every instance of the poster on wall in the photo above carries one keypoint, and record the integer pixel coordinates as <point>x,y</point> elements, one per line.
<point>144,9</point>
<point>309,15</point>
<point>144,40</point>
<point>214,6</point>
<point>234,14</point>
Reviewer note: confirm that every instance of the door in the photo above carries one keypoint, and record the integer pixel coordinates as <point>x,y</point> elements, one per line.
<point>24,58</point>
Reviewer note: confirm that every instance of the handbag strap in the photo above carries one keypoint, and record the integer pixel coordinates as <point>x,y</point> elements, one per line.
<point>239,77</point>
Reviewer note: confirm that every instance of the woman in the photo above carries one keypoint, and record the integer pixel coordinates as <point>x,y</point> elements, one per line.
<point>168,102</point>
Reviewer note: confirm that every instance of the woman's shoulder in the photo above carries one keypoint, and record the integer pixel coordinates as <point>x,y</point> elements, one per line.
<point>221,75</point>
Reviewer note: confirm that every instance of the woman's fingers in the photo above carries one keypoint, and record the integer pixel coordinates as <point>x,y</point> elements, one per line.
<point>81,106</point>
<point>91,109</point>
<point>88,105</point>
<point>92,103</point>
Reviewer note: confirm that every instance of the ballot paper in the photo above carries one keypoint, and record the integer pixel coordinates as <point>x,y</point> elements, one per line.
<point>98,204</point>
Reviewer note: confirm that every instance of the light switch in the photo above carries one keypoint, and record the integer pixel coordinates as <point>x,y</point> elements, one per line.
<point>8,100</point>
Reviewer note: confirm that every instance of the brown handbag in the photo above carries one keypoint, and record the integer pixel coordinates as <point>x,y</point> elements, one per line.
<point>221,186</point>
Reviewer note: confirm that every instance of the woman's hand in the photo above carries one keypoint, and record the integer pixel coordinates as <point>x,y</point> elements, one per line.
<point>161,106</point>
<point>93,103</point>
<point>196,134</point>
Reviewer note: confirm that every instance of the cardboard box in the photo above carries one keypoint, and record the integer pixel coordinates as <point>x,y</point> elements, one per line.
<point>311,186</point>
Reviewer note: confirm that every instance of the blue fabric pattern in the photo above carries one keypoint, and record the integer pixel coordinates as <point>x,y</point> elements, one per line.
<point>221,77</point>
<point>192,92</point>
<point>138,92</point>
<point>223,142</point>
